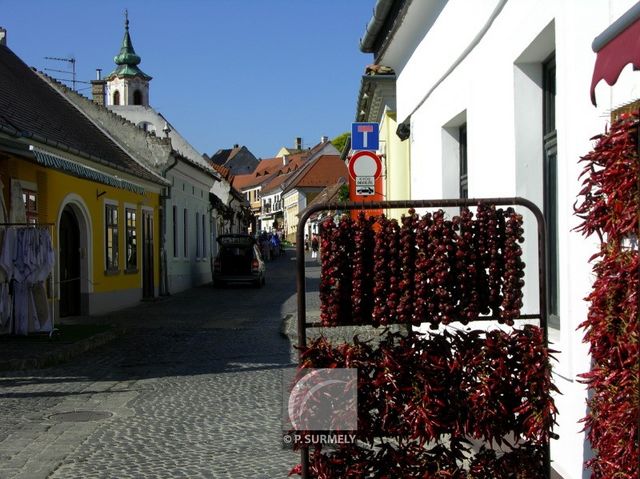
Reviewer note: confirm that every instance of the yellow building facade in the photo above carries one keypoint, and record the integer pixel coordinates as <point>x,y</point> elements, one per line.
<point>104,230</point>
<point>396,164</point>
<point>291,210</point>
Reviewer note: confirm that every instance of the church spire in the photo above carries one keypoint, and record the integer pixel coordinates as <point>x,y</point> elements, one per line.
<point>127,85</point>
<point>127,60</point>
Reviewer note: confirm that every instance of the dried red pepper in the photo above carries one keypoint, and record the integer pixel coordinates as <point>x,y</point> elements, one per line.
<point>609,206</point>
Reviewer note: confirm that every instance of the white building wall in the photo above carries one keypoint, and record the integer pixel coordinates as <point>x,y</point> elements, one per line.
<point>190,192</point>
<point>267,219</point>
<point>496,89</point>
<point>127,87</point>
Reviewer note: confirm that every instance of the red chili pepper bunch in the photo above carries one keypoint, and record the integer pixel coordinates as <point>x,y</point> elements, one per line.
<point>489,243</point>
<point>467,267</point>
<point>435,404</point>
<point>423,310</point>
<point>394,462</point>
<point>505,384</point>
<point>329,277</point>
<point>389,461</point>
<point>530,362</point>
<point>363,254</point>
<point>421,397</point>
<point>440,248</point>
<point>407,266</point>
<point>613,332</point>
<point>386,271</point>
<point>513,268</point>
<point>525,462</point>
<point>428,269</point>
<point>609,206</point>
<point>468,277</point>
<point>609,201</point>
<point>346,254</point>
<point>336,242</point>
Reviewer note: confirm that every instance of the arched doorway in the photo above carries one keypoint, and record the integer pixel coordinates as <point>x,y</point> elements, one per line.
<point>70,268</point>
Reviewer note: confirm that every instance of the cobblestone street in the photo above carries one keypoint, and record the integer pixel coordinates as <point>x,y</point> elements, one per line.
<point>192,390</point>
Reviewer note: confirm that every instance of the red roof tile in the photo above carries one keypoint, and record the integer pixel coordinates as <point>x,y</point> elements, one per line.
<point>323,171</point>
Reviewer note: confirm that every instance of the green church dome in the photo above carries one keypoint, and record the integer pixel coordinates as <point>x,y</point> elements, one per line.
<point>127,60</point>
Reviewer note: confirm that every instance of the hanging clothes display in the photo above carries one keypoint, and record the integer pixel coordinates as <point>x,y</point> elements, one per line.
<point>26,258</point>
<point>6,305</point>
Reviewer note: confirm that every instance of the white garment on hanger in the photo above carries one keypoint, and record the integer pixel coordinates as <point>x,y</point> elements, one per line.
<point>7,252</point>
<point>26,259</point>
<point>5,307</point>
<point>43,258</point>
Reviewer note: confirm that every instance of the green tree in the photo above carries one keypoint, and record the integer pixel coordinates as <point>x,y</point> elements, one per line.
<point>340,140</point>
<point>343,194</point>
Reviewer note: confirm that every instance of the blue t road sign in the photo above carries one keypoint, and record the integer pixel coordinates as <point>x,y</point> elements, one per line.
<point>365,136</point>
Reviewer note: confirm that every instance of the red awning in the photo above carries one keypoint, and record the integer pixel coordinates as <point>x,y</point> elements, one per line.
<point>616,47</point>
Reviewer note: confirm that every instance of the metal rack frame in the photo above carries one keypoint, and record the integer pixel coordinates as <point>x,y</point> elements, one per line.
<point>541,316</point>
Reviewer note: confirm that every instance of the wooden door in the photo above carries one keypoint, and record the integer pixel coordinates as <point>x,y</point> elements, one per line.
<point>69,264</point>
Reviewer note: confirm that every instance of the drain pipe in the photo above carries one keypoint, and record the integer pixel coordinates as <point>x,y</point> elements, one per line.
<point>164,274</point>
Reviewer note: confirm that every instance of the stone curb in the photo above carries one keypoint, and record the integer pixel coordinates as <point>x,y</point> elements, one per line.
<point>47,359</point>
<point>288,328</point>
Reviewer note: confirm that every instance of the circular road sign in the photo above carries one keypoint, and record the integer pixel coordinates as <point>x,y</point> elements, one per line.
<point>365,163</point>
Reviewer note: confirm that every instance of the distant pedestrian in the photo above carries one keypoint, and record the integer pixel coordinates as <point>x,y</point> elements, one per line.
<point>275,245</point>
<point>314,246</point>
<point>265,246</point>
<point>306,242</point>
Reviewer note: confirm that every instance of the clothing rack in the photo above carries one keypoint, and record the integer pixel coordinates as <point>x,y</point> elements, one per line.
<point>49,282</point>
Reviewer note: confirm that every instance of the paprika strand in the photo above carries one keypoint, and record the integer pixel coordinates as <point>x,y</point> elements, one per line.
<point>609,206</point>
<point>407,266</point>
<point>363,245</point>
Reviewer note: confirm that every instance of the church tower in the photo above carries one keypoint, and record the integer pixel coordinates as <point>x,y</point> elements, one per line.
<point>127,84</point>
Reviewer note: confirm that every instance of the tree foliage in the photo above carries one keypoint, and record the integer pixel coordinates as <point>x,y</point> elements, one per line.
<point>341,140</point>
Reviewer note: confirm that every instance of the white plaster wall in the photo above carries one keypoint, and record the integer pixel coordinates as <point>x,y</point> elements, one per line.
<point>190,190</point>
<point>221,190</point>
<point>127,87</point>
<point>496,85</point>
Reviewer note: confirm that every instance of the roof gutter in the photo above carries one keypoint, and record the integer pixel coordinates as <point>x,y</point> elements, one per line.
<point>380,12</point>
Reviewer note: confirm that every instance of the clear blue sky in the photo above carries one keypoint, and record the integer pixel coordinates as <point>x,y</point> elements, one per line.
<point>253,72</point>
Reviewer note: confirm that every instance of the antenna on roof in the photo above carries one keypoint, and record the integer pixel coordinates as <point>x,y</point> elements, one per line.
<point>72,62</point>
